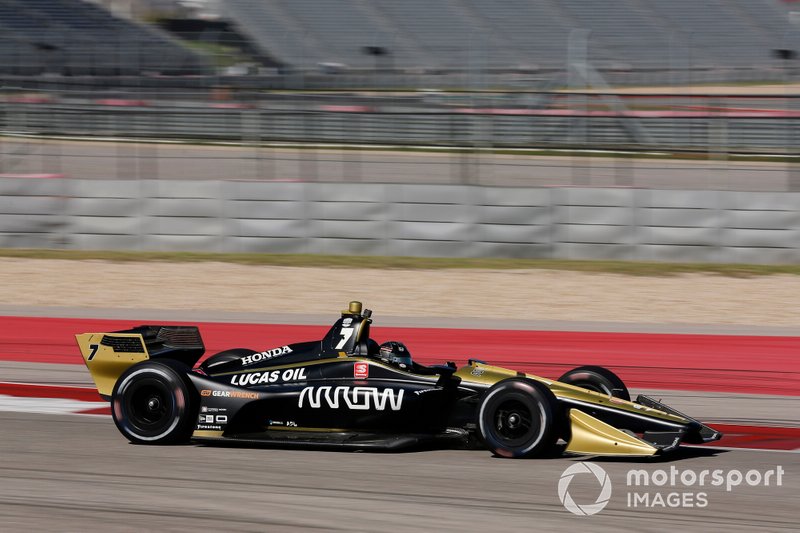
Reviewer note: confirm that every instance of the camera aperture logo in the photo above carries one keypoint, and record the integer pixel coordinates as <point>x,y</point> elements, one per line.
<point>584,468</point>
<point>664,488</point>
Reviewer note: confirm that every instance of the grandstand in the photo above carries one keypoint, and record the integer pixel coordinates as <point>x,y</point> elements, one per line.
<point>452,35</point>
<point>750,38</point>
<point>72,37</point>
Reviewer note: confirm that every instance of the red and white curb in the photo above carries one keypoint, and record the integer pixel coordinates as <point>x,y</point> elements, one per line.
<point>51,399</point>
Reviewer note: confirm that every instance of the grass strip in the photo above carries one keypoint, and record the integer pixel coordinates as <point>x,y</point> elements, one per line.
<point>632,268</point>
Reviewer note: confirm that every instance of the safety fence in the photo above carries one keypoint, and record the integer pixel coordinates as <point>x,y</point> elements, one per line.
<point>718,125</point>
<point>401,220</point>
<point>272,136</point>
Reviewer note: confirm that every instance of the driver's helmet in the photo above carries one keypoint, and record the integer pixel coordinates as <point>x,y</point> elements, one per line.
<point>395,353</point>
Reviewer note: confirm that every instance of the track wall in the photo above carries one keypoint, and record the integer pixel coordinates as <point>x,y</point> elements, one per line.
<point>401,219</point>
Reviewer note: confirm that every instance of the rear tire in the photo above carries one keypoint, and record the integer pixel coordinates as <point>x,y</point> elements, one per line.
<point>597,379</point>
<point>154,402</point>
<point>520,417</point>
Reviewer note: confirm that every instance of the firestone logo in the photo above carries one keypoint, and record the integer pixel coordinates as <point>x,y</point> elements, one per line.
<point>584,468</point>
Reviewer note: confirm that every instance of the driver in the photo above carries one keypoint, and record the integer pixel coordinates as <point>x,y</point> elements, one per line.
<point>395,353</point>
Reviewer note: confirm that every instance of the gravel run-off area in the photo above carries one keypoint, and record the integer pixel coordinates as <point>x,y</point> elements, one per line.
<point>534,294</point>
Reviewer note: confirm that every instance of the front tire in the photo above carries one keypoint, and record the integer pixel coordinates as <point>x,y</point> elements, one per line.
<point>153,402</point>
<point>519,417</point>
<point>597,379</point>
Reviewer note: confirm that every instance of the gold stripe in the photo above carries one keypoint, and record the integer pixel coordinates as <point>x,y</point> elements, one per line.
<point>206,434</point>
<point>564,391</point>
<point>314,430</point>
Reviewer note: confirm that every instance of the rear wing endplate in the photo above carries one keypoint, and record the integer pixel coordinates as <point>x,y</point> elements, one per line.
<point>108,355</point>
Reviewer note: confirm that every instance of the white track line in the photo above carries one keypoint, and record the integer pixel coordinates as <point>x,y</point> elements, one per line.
<point>51,406</point>
<point>734,449</point>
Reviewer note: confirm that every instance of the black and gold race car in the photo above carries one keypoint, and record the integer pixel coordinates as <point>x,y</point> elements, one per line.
<point>347,391</point>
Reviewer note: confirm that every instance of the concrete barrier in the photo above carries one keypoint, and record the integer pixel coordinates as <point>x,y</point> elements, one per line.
<point>401,219</point>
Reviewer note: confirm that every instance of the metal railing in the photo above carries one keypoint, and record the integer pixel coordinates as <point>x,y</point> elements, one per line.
<point>474,130</point>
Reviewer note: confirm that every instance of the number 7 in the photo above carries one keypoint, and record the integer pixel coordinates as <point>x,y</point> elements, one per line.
<point>346,333</point>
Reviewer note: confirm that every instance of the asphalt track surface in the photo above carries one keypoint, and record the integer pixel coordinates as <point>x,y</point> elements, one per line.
<point>77,473</point>
<point>117,160</point>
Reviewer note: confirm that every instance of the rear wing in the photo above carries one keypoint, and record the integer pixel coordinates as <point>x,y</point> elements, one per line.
<point>108,355</point>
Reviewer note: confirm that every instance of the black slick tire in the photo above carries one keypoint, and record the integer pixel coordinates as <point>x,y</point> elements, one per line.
<point>597,379</point>
<point>154,402</point>
<point>520,417</point>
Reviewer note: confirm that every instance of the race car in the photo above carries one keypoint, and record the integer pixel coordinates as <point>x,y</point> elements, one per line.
<point>348,391</point>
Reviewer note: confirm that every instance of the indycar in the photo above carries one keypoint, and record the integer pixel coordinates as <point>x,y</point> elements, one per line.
<point>347,391</point>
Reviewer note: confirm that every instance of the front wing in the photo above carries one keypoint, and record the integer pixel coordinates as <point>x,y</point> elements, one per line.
<point>591,436</point>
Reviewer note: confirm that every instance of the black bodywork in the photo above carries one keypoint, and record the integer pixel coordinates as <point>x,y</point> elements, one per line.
<point>343,391</point>
<point>334,390</point>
